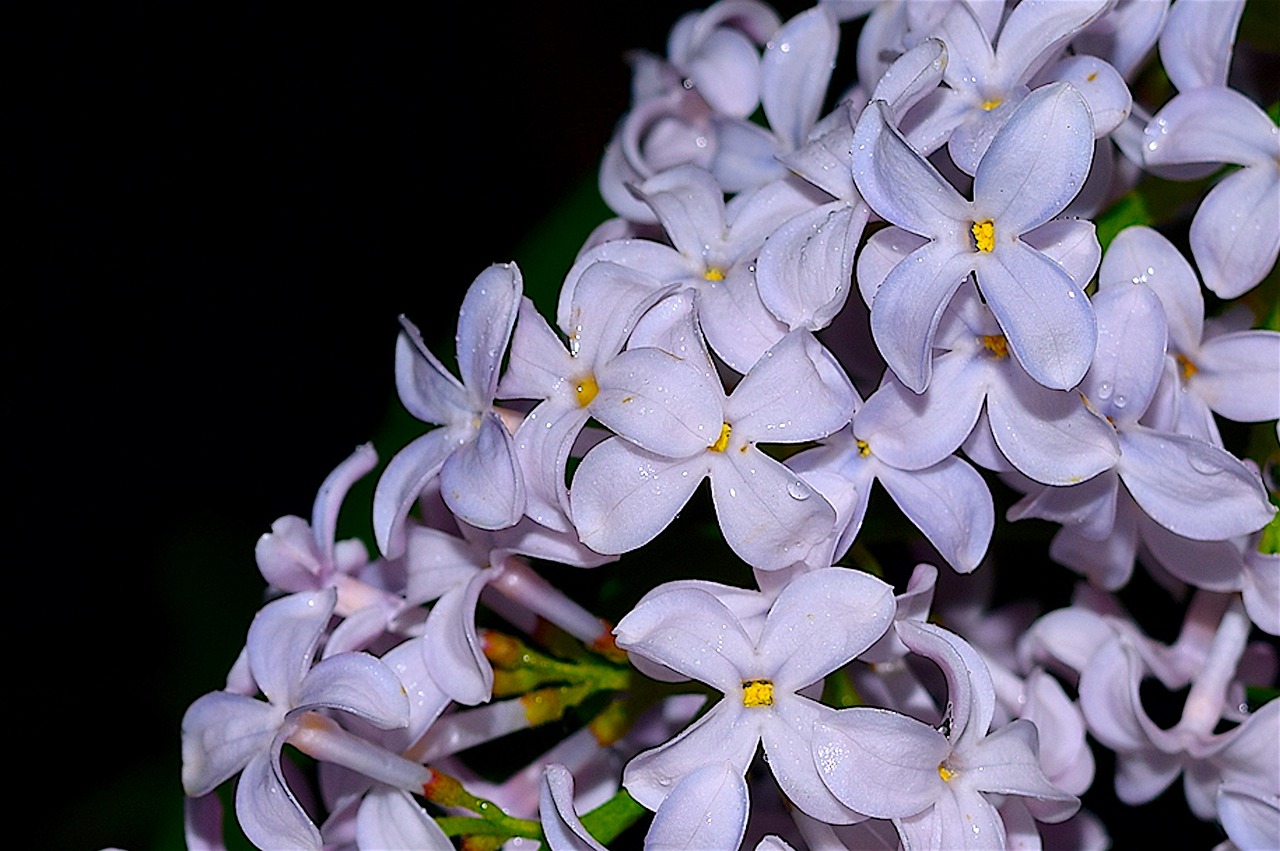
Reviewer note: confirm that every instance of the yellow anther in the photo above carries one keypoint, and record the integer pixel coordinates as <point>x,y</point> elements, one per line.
<point>989,105</point>
<point>864,448</point>
<point>757,693</point>
<point>714,273</point>
<point>586,390</point>
<point>996,344</point>
<point>984,235</point>
<point>945,773</point>
<point>1185,367</point>
<point>722,442</point>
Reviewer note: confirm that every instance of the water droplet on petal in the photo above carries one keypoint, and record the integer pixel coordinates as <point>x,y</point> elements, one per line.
<point>798,490</point>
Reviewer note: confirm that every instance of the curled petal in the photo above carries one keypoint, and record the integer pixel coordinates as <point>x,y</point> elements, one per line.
<point>560,822</point>
<point>721,736</point>
<point>481,480</point>
<point>951,504</point>
<point>485,320</point>
<point>267,810</point>
<point>806,267</point>
<point>357,683</point>
<point>389,818</point>
<point>403,481</point>
<point>283,639</point>
<point>452,649</point>
<point>1235,235</point>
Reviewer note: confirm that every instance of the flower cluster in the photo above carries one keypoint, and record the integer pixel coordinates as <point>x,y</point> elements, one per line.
<point>946,278</point>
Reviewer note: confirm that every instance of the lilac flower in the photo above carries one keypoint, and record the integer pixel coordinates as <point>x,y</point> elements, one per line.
<point>818,623</point>
<point>1207,368</point>
<point>932,783</point>
<point>224,734</point>
<point>1026,177</point>
<point>472,452</point>
<point>677,427</point>
<point>1235,235</point>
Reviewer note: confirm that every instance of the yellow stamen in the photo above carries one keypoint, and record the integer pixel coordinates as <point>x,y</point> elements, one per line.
<point>722,442</point>
<point>996,344</point>
<point>714,273</point>
<point>1185,367</point>
<point>989,105</point>
<point>864,448</point>
<point>757,693</point>
<point>984,235</point>
<point>945,773</point>
<point>586,390</point>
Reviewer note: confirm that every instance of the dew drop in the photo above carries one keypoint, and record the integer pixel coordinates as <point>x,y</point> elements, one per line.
<point>1104,390</point>
<point>798,490</point>
<point>1121,401</point>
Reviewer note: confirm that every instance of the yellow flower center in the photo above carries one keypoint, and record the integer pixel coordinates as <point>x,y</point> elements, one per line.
<point>1185,367</point>
<point>586,390</point>
<point>714,273</point>
<point>864,448</point>
<point>722,442</point>
<point>984,235</point>
<point>989,105</point>
<point>757,693</point>
<point>996,344</point>
<point>945,773</point>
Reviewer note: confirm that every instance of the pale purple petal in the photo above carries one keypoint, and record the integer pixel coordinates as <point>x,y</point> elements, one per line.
<point>652,259</point>
<point>1071,243</point>
<point>795,393</point>
<point>1050,435</point>
<point>282,642</point>
<point>910,304</point>
<point>1195,44</point>
<point>287,555</point>
<point>690,205</point>
<point>805,268</point>
<point>481,481</point>
<point>267,810</point>
<point>539,363</point>
<point>668,405</point>
<point>623,496</point>
<point>1250,815</point>
<point>1037,163</point>
<point>1191,487</point>
<point>542,446</point>
<point>401,483</point>
<point>389,818</point>
<point>788,739</point>
<point>1102,87</point>
<point>1088,508</point>
<point>485,320</point>
<point>899,184</point>
<point>426,388</point>
<point>1007,762</point>
<point>707,809</point>
<point>885,249</point>
<point>1262,590</point>
<point>560,823</point>
<point>221,732</point>
<point>1140,255</point>
<point>1235,373</point>
<point>357,683</point>
<point>738,326</point>
<point>820,621</point>
<point>1106,561</point>
<point>324,513</point>
<point>1046,316</point>
<point>690,631</point>
<point>723,735</point>
<point>606,304</point>
<point>951,504</point>
<point>454,657</point>
<point>880,763</point>
<point>1213,565</point>
<point>1211,125</point>
<point>911,431</point>
<point>1235,235</point>
<point>794,73</point>
<point>1130,353</point>
<point>970,691</point>
<point>768,515</point>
